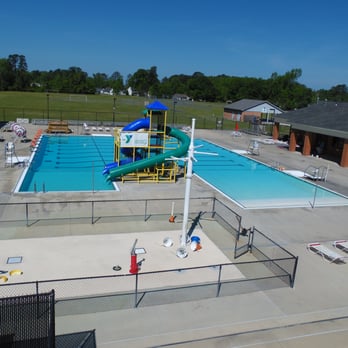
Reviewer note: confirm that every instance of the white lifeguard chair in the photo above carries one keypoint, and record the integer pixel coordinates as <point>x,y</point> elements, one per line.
<point>254,147</point>
<point>11,158</point>
<point>10,154</point>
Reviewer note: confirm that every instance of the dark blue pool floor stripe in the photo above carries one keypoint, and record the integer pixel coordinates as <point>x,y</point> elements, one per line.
<point>100,154</point>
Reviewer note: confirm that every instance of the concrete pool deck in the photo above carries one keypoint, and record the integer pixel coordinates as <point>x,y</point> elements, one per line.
<point>95,256</point>
<point>312,314</point>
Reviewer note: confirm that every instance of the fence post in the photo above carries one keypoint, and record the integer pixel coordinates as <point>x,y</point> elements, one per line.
<point>219,282</point>
<point>213,207</point>
<point>251,239</point>
<point>37,299</point>
<point>292,280</point>
<point>136,291</point>
<point>27,214</point>
<point>145,212</point>
<point>92,212</point>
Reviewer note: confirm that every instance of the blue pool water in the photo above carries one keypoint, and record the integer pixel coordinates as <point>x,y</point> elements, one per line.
<point>69,163</point>
<point>254,185</point>
<point>75,163</point>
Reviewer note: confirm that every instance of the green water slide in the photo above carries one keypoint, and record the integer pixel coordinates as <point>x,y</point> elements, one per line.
<point>155,160</point>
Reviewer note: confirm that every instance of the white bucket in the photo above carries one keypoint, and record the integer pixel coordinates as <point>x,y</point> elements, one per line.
<point>167,242</point>
<point>194,246</point>
<point>181,252</point>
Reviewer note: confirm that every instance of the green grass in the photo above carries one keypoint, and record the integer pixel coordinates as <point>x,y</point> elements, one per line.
<point>99,108</point>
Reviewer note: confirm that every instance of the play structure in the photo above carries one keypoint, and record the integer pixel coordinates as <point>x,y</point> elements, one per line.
<point>147,149</point>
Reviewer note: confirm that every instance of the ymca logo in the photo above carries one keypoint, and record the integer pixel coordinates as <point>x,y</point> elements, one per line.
<point>126,139</point>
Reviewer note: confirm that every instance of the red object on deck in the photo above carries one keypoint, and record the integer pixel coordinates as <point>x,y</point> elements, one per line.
<point>236,126</point>
<point>134,269</point>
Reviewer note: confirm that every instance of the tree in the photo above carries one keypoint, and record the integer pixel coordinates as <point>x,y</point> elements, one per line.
<point>144,81</point>
<point>174,84</point>
<point>19,72</point>
<point>338,93</point>
<point>5,74</point>
<point>116,82</point>
<point>201,88</point>
<point>100,80</point>
<point>153,81</point>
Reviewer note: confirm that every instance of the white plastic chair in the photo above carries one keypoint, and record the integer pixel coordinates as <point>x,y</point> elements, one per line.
<point>326,253</point>
<point>341,245</point>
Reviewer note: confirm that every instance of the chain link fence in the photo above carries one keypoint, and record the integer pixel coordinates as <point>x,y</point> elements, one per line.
<point>269,265</point>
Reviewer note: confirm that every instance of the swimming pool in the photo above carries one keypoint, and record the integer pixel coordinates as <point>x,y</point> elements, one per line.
<point>75,163</point>
<point>68,163</point>
<point>254,185</point>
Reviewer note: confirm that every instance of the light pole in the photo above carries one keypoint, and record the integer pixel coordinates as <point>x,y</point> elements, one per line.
<point>174,103</point>
<point>48,106</point>
<point>113,112</point>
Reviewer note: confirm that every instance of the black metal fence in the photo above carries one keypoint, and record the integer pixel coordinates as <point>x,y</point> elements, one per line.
<point>270,265</point>
<point>28,321</point>
<point>96,211</point>
<point>102,118</point>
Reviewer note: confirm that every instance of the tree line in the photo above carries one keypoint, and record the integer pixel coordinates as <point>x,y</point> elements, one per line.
<point>282,90</point>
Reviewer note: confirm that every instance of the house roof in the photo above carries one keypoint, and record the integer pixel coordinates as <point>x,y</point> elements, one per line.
<point>328,118</point>
<point>246,104</point>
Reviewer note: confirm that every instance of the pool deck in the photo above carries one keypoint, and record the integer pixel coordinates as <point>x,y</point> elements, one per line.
<point>312,314</point>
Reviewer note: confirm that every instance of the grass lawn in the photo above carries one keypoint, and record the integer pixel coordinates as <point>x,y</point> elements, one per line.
<point>100,109</point>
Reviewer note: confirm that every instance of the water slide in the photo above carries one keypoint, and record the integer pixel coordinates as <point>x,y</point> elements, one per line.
<point>137,124</point>
<point>155,160</point>
<point>133,126</point>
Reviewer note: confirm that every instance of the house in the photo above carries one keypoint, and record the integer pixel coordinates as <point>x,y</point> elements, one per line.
<point>320,129</point>
<point>107,91</point>
<point>181,97</point>
<point>132,92</point>
<point>250,110</point>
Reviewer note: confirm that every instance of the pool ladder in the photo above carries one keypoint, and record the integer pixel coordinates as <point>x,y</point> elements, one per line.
<point>316,173</point>
<point>43,187</point>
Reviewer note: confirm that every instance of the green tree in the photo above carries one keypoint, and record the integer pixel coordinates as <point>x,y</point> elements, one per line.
<point>5,74</point>
<point>100,80</point>
<point>19,72</point>
<point>174,84</point>
<point>201,88</point>
<point>116,82</point>
<point>144,81</point>
<point>338,93</point>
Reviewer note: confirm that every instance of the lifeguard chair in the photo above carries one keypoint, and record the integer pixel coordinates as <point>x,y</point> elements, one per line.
<point>254,147</point>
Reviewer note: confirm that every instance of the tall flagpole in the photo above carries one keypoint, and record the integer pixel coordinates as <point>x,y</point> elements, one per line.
<point>188,186</point>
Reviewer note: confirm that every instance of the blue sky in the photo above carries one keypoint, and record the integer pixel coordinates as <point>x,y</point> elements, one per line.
<point>237,38</point>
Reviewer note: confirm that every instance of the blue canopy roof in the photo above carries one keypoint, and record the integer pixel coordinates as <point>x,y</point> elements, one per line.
<point>156,105</point>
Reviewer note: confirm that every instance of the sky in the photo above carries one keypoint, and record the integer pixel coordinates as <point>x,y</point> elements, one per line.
<point>243,38</point>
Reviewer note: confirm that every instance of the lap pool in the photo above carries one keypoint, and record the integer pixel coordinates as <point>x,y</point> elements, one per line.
<point>68,163</point>
<point>253,185</point>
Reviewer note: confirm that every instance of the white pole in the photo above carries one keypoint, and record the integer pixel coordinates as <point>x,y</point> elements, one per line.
<point>172,211</point>
<point>188,186</point>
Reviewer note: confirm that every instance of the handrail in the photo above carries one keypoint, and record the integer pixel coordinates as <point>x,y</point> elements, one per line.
<point>316,173</point>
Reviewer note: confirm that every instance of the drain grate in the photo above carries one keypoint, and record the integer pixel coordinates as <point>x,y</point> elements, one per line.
<point>14,259</point>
